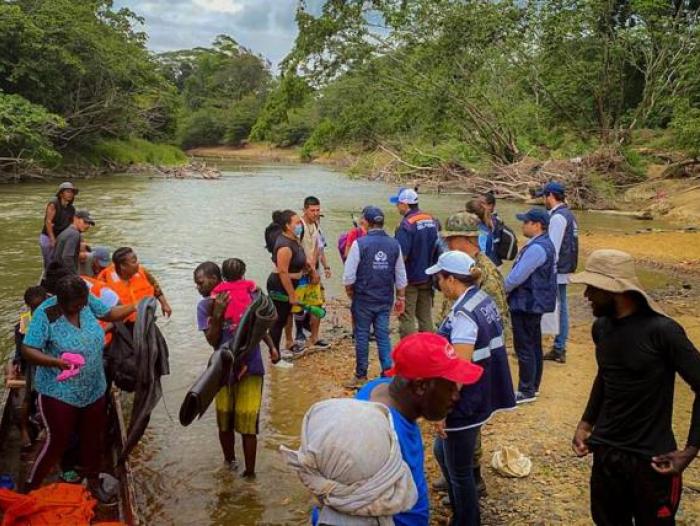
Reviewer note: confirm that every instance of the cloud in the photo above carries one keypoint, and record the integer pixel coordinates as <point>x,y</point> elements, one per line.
<point>219,6</point>
<point>266,27</point>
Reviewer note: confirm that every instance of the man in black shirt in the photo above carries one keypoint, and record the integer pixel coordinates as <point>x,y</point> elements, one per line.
<point>627,423</point>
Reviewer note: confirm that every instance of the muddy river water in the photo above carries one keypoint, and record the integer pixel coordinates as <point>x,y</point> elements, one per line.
<point>174,225</point>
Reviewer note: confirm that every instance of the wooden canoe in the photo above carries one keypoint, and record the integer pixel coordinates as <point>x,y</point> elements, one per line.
<point>13,462</point>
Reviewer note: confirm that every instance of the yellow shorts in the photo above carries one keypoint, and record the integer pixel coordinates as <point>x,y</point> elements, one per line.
<point>238,406</point>
<point>309,295</point>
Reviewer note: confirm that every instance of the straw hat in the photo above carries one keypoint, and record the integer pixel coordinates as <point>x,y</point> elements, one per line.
<point>613,271</point>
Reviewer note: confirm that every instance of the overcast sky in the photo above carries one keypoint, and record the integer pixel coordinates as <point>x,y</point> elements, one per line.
<point>265,26</point>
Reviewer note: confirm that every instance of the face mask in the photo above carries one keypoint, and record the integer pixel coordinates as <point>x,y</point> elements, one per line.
<point>299,230</point>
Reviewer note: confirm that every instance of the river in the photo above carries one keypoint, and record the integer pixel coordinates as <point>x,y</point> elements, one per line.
<point>175,225</point>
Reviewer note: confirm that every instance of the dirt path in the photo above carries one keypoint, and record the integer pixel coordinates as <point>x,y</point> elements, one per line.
<point>556,492</point>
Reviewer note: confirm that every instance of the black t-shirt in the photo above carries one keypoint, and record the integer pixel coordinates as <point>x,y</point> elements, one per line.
<point>631,402</point>
<point>298,261</point>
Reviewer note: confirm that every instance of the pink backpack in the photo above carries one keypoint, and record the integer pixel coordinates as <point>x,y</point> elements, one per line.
<point>240,296</point>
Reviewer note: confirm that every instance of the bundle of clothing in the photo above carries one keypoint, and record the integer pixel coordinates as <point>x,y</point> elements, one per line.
<point>135,361</point>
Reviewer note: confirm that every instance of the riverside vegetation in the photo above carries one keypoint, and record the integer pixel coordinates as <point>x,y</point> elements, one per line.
<point>466,95</point>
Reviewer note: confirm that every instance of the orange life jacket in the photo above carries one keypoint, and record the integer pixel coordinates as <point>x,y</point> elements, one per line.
<point>131,291</point>
<point>51,505</point>
<point>96,287</point>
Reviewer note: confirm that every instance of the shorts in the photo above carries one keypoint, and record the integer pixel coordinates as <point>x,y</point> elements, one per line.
<point>309,294</point>
<point>238,406</point>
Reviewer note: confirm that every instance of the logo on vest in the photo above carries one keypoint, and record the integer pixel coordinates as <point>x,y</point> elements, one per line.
<point>381,261</point>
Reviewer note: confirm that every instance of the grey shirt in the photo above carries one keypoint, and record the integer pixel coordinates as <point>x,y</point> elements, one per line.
<point>67,250</point>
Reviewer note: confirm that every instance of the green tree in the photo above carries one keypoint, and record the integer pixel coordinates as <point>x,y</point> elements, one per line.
<point>26,131</point>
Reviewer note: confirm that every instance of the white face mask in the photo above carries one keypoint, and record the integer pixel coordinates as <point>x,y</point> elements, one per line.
<point>299,230</point>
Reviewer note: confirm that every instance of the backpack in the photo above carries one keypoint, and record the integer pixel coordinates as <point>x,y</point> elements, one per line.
<point>272,232</point>
<point>507,246</point>
<point>343,242</point>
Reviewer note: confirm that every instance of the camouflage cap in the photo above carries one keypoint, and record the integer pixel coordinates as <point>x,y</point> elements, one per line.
<point>462,224</point>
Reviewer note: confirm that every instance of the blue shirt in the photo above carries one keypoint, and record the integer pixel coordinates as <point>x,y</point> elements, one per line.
<point>55,338</point>
<point>531,261</point>
<point>417,234</point>
<point>411,443</point>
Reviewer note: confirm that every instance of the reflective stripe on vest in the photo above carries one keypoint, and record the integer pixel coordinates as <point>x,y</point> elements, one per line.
<point>485,352</point>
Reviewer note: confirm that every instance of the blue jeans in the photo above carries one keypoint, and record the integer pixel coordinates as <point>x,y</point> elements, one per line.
<point>367,315</point>
<point>455,455</point>
<point>527,340</point>
<point>560,340</point>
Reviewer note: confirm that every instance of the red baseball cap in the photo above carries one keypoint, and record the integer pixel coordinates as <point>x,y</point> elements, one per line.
<point>428,355</point>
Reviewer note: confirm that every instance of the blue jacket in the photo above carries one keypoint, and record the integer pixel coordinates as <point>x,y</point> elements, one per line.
<point>494,390</point>
<point>568,252</point>
<point>538,293</point>
<point>376,272</point>
<point>417,234</point>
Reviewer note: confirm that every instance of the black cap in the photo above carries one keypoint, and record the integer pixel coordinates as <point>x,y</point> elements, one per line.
<point>85,216</point>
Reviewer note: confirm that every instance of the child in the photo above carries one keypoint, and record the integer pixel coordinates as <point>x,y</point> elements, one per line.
<point>33,297</point>
<point>240,291</point>
<point>237,403</point>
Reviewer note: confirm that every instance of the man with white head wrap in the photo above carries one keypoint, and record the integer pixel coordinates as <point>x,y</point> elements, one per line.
<point>350,459</point>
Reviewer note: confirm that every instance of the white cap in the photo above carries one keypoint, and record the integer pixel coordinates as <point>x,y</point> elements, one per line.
<point>406,196</point>
<point>454,262</point>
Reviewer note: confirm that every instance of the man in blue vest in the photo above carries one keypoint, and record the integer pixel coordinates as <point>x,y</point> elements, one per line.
<point>563,231</point>
<point>532,291</point>
<point>373,271</point>
<point>418,236</point>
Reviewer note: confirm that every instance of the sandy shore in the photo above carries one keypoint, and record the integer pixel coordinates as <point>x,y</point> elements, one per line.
<point>556,492</point>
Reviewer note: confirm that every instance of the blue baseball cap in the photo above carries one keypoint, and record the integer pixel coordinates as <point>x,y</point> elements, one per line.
<point>102,256</point>
<point>537,215</point>
<point>551,187</point>
<point>454,262</point>
<point>373,214</point>
<point>405,195</point>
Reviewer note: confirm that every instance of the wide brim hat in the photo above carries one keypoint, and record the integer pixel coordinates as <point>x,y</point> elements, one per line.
<point>67,186</point>
<point>614,271</point>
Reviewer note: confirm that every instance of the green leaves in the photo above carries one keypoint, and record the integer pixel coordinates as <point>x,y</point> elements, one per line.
<point>25,131</point>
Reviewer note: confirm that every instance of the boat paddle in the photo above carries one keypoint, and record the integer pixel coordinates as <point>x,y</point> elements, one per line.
<point>317,311</point>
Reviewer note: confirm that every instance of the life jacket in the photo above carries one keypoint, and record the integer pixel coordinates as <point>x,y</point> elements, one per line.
<point>494,390</point>
<point>59,503</point>
<point>240,296</point>
<point>376,272</point>
<point>131,291</point>
<point>97,287</point>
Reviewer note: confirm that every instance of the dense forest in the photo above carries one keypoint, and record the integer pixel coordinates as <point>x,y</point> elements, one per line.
<point>438,81</point>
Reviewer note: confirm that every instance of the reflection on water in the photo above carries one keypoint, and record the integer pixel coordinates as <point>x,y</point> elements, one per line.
<point>174,225</point>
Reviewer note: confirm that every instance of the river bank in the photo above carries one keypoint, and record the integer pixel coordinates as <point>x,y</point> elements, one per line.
<point>557,490</point>
<point>176,224</point>
<point>653,196</point>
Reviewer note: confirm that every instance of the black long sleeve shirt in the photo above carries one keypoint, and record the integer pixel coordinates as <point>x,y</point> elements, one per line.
<point>631,402</point>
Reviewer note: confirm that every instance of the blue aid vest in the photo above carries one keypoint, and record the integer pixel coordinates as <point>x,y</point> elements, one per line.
<point>568,252</point>
<point>539,292</point>
<point>377,269</point>
<point>494,390</point>
<point>418,234</point>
